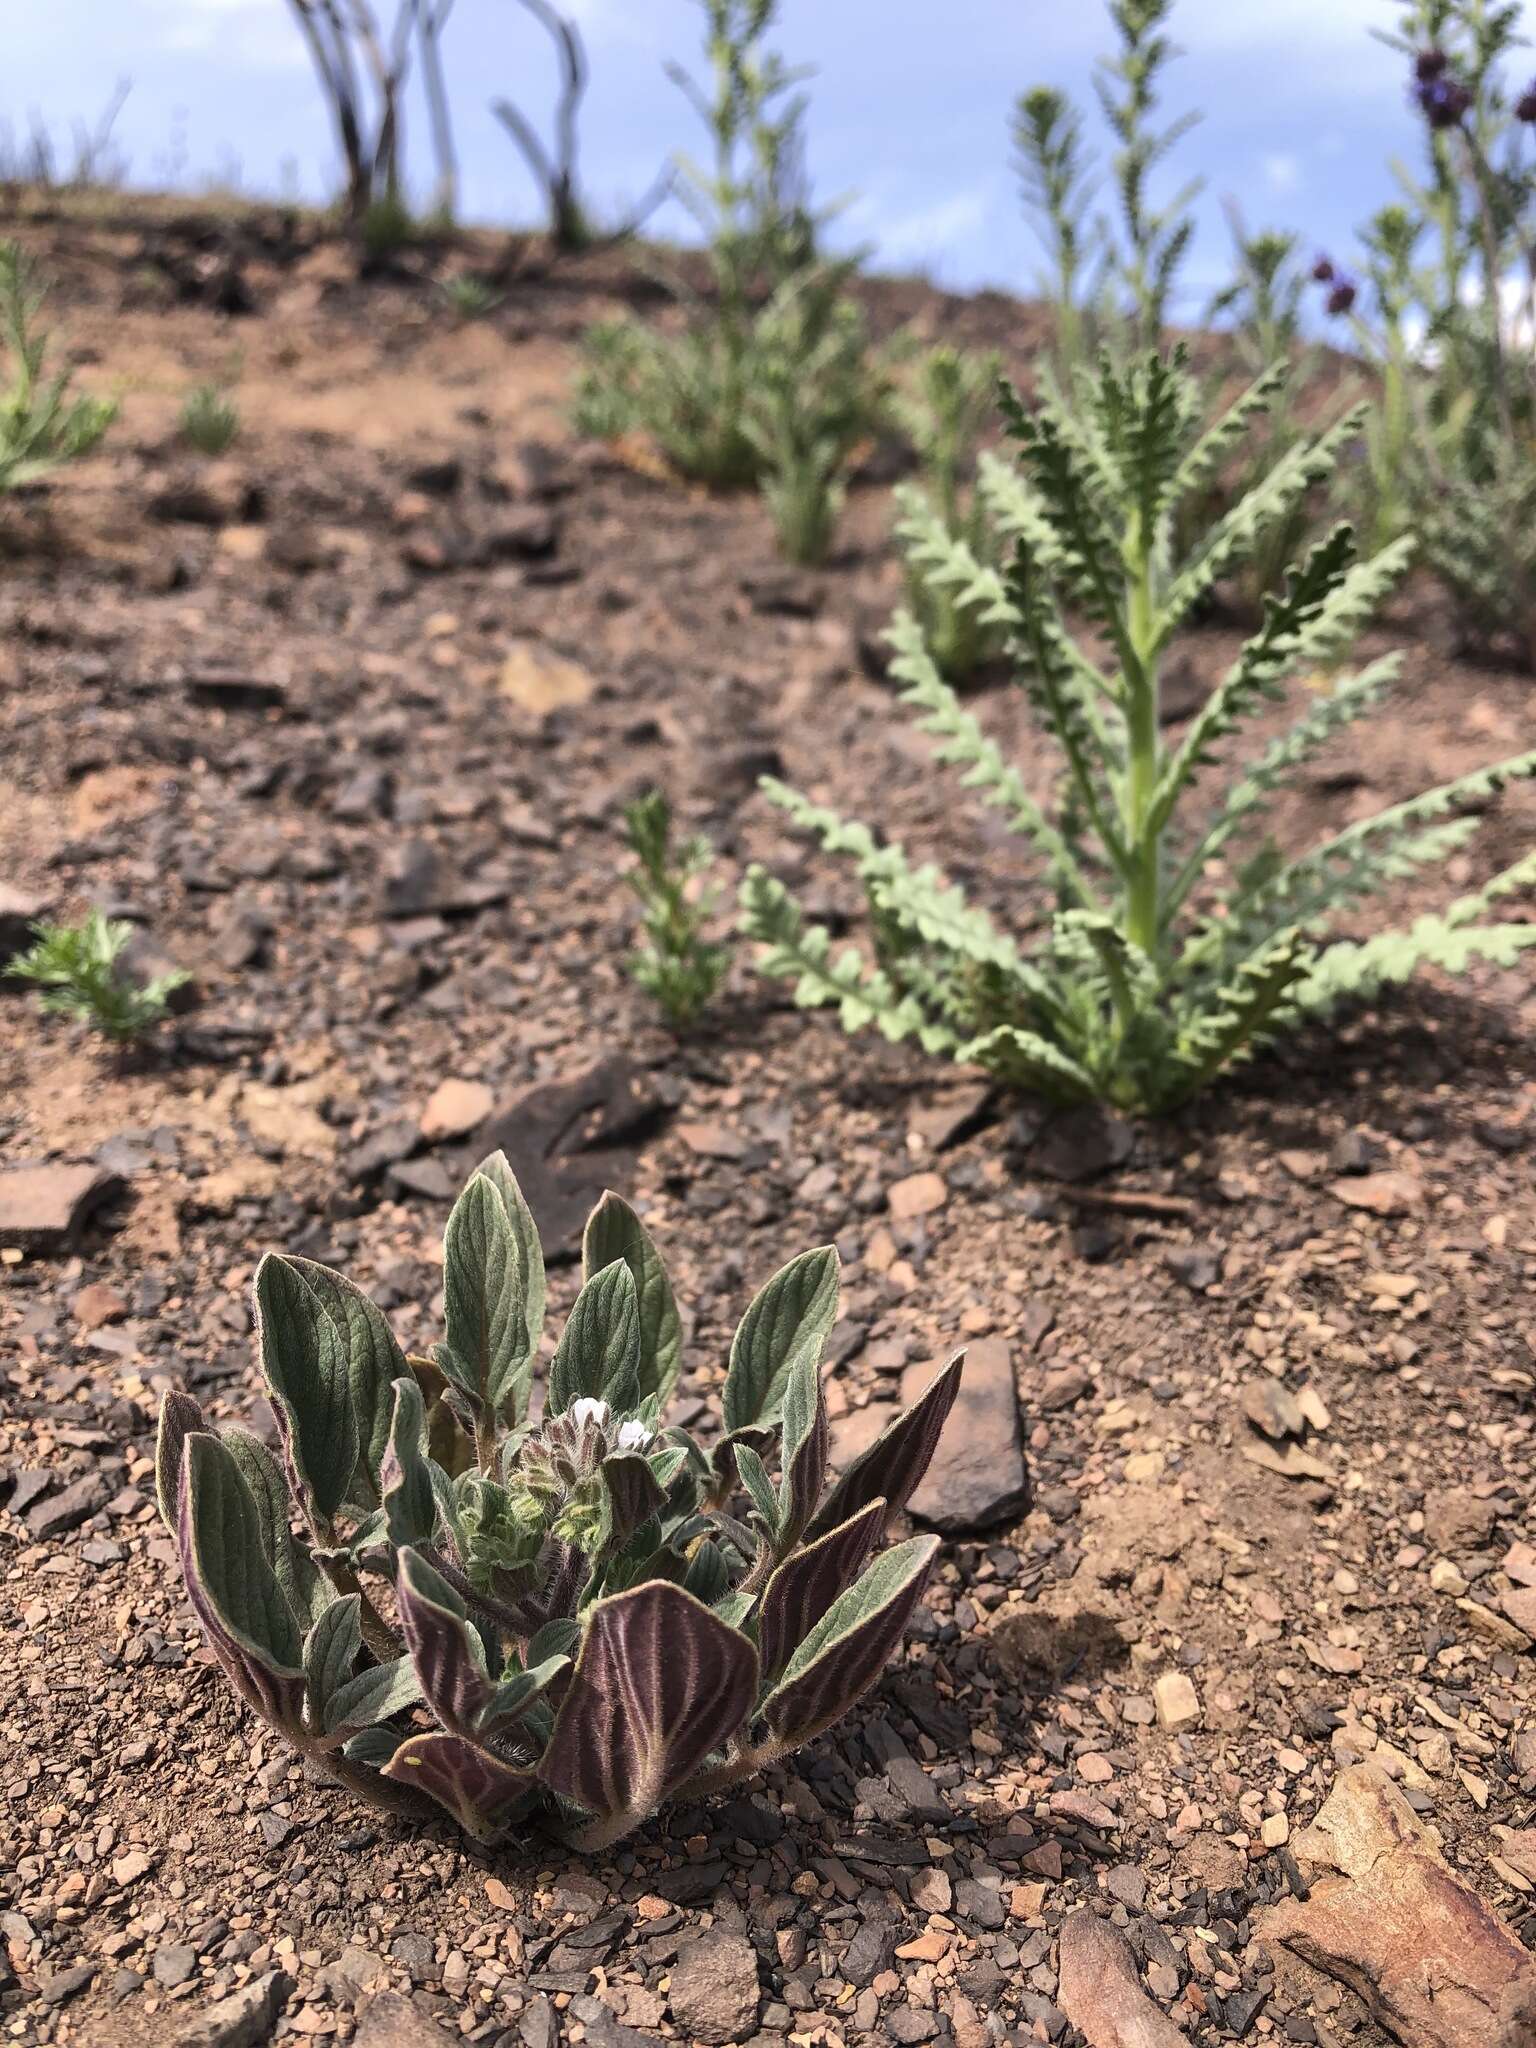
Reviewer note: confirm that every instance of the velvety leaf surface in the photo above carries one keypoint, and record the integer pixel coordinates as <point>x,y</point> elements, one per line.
<point>614,1231</point>
<point>308,1591</point>
<point>231,1586</point>
<point>659,1684</point>
<point>373,1362</point>
<point>807,1438</point>
<point>179,1414</point>
<point>633,1496</point>
<point>479,1790</point>
<point>807,1583</point>
<point>849,1647</point>
<point>529,1255</point>
<point>304,1357</point>
<point>898,1457</point>
<point>444,1645</point>
<point>410,1510</point>
<point>373,1695</point>
<point>330,1652</point>
<point>598,1355</point>
<point>486,1317</point>
<point>786,1321</point>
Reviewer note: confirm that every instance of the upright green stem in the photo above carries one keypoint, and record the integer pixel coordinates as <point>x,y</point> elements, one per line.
<point>1143,766</point>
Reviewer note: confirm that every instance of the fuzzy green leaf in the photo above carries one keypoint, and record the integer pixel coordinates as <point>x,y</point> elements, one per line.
<point>614,1231</point>
<point>599,1351</point>
<point>786,1323</point>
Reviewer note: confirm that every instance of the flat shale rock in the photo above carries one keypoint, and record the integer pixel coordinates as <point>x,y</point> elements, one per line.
<point>1434,1964</point>
<point>567,1141</point>
<point>714,1993</point>
<point>19,911</point>
<point>978,1477</point>
<point>243,2020</point>
<point>43,1208</point>
<point>1100,1991</point>
<point>392,2021</point>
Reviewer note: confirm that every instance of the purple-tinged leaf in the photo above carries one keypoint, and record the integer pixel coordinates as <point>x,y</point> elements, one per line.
<point>481,1792</point>
<point>850,1646</point>
<point>897,1459</point>
<point>803,1458</point>
<point>808,1581</point>
<point>614,1231</point>
<point>517,1693</point>
<point>234,1593</point>
<point>179,1415</point>
<point>631,1497</point>
<point>445,1647</point>
<point>659,1685</point>
<point>786,1321</point>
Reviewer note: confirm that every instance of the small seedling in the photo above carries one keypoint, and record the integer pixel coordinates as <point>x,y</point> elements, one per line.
<point>76,969</point>
<point>41,426</point>
<point>585,1613</point>
<point>942,412</point>
<point>769,384</point>
<point>209,420</point>
<point>676,965</point>
<point>470,297</point>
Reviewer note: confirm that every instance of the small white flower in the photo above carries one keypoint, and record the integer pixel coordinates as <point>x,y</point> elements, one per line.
<point>633,1436</point>
<point>587,1410</point>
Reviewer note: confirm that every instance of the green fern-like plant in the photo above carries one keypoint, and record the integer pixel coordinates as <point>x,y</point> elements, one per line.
<point>942,411</point>
<point>75,968</point>
<point>41,426</point>
<point>209,420</point>
<point>758,387</point>
<point>1183,937</point>
<point>675,963</point>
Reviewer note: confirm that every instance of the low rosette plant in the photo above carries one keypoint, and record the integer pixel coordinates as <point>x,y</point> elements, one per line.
<point>567,1619</point>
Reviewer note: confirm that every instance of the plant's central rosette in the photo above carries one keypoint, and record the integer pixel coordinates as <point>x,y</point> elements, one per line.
<point>587,1613</point>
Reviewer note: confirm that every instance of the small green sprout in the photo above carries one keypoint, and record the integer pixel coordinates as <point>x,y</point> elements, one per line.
<point>76,970</point>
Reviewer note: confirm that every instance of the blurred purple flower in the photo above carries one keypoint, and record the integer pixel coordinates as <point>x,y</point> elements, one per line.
<point>1525,106</point>
<point>1443,100</point>
<point>1323,271</point>
<point>1342,297</point>
<point>1429,64</point>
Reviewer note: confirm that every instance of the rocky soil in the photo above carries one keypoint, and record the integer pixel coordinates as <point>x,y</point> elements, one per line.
<point>1212,1733</point>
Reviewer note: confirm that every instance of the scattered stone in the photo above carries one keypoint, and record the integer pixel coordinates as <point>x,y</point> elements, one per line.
<point>1100,1990</point>
<point>1198,1266</point>
<point>714,1994</point>
<point>44,1208</point>
<point>540,681</point>
<point>953,1116</point>
<point>918,1195</point>
<point>1177,1702</point>
<point>1080,1144</point>
<point>1290,1461</point>
<point>19,911</point>
<point>455,1108</point>
<point>1389,1193</point>
<point>64,1511</point>
<point>978,1477</point>
<point>1064,1388</point>
<point>1271,1406</point>
<point>391,2020</point>
<point>63,1985</point>
<point>1434,1964</point>
<point>97,1305</point>
<point>235,690</point>
<point>243,2020</point>
<point>569,1140</point>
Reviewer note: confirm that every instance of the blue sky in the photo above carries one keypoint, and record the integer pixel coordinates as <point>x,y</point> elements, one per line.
<point>1302,108</point>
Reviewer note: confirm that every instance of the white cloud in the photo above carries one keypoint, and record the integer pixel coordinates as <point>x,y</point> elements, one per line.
<point>929,230</point>
<point>1282,173</point>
